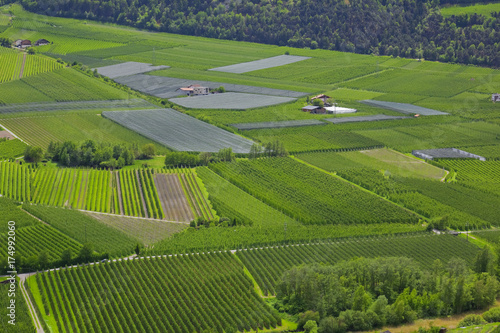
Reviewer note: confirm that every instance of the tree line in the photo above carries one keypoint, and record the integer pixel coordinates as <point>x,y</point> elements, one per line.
<point>90,153</point>
<point>405,28</point>
<point>364,294</point>
<point>270,149</point>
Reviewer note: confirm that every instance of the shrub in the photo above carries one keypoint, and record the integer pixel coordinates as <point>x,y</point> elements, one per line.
<point>470,320</point>
<point>492,315</point>
<point>305,317</point>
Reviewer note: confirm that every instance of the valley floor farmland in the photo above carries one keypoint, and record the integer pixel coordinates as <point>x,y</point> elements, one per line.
<point>174,294</point>
<point>268,264</point>
<point>179,131</point>
<point>374,191</point>
<point>40,130</point>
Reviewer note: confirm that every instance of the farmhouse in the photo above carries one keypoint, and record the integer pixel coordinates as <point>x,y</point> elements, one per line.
<point>196,89</point>
<point>495,98</point>
<point>25,43</point>
<point>41,42</point>
<point>22,43</point>
<point>313,109</point>
<point>324,98</point>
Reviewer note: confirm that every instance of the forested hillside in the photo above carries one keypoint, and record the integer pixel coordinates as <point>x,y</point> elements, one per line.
<point>406,28</point>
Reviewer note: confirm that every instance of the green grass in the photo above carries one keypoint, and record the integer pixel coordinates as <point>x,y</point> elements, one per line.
<point>478,8</point>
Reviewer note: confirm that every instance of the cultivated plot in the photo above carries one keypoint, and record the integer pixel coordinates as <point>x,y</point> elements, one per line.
<point>173,199</point>
<point>168,87</point>
<point>260,64</point>
<point>267,265</point>
<point>376,117</point>
<point>78,105</point>
<point>179,131</point>
<point>40,131</point>
<point>231,101</point>
<point>403,108</point>
<point>146,230</point>
<point>386,160</point>
<point>128,68</point>
<point>278,124</point>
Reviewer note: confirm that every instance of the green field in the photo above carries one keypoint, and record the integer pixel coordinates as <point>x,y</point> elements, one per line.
<point>478,8</point>
<point>385,160</point>
<point>309,195</point>
<point>146,230</point>
<point>14,181</point>
<point>176,294</point>
<point>85,229</point>
<point>267,265</point>
<point>11,149</point>
<point>40,130</point>
<point>60,85</point>
<point>15,65</point>
<point>232,202</point>
<point>23,321</point>
<point>32,237</point>
<point>347,190</point>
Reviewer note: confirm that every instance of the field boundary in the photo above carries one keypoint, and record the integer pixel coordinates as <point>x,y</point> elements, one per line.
<point>358,186</point>
<point>132,217</point>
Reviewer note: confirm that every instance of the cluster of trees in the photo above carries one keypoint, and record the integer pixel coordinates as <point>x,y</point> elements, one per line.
<point>406,28</point>
<point>275,148</point>
<point>364,294</point>
<point>43,261</point>
<point>175,159</point>
<point>271,149</point>
<point>92,154</point>
<point>5,42</point>
<point>217,222</point>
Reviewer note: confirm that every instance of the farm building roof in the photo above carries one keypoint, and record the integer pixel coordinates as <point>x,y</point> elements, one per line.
<point>445,153</point>
<point>191,87</point>
<point>311,107</point>
<point>320,96</point>
<point>26,42</point>
<point>41,41</point>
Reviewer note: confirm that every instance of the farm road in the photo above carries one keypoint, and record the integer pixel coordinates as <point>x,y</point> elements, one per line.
<point>29,303</point>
